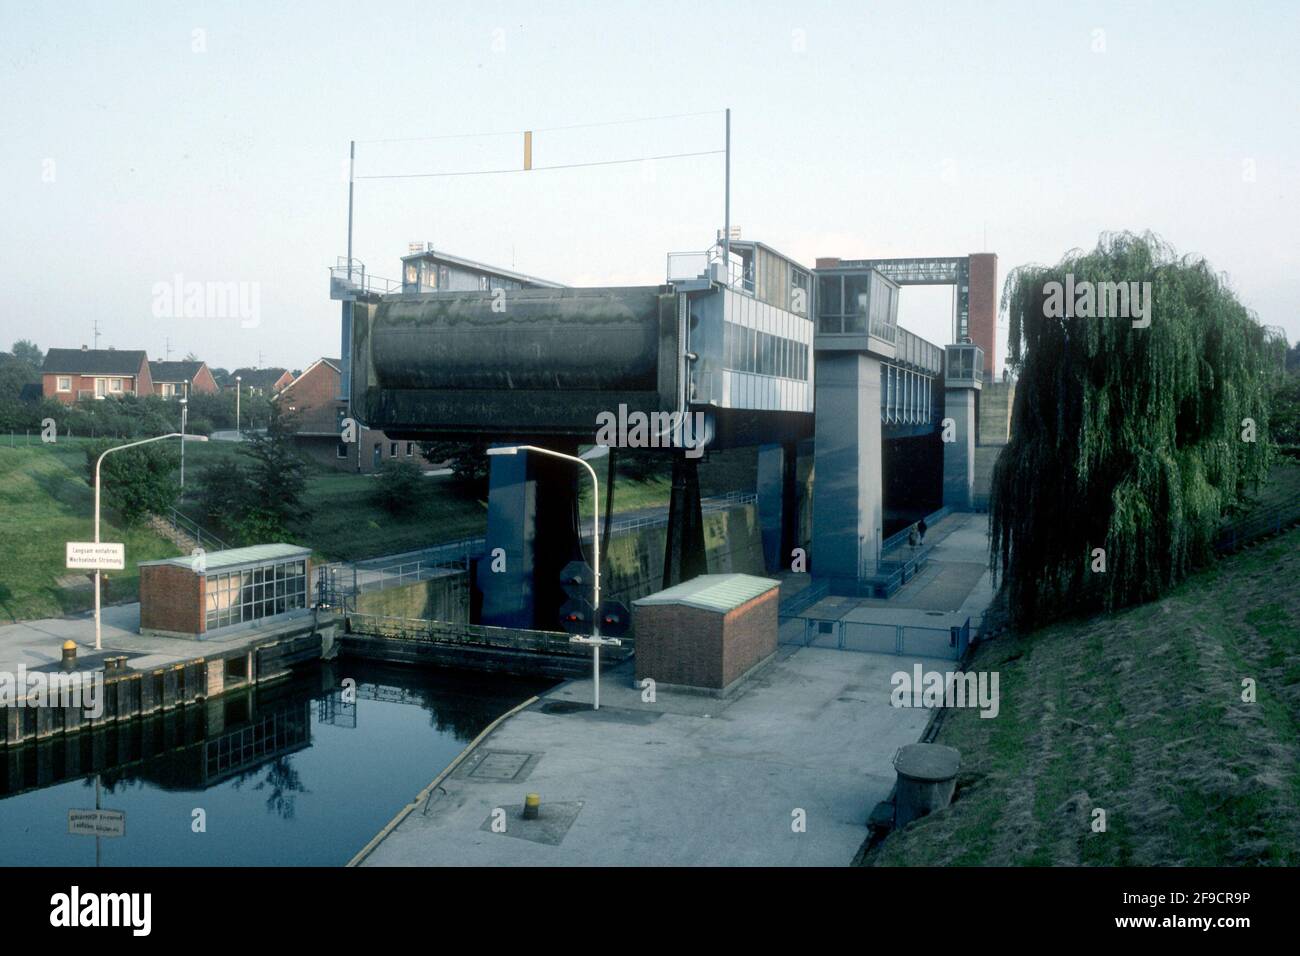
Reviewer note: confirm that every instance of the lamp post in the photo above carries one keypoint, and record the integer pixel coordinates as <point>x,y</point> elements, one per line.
<point>99,461</point>
<point>238,379</point>
<point>185,408</point>
<point>596,641</point>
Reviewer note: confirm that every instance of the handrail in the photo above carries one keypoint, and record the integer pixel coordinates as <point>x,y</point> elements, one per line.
<point>182,522</point>
<point>450,632</point>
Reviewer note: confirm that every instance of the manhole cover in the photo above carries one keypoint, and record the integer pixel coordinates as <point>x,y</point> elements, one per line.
<point>500,766</point>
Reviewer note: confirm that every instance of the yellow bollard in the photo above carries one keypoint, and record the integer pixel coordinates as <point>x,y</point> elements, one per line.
<point>69,655</point>
<point>532,804</point>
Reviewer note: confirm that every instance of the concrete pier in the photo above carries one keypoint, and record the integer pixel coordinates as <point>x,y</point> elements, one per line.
<point>784,772</point>
<point>848,498</point>
<point>146,674</point>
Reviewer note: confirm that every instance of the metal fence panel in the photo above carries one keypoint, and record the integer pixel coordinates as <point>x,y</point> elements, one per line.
<point>873,638</point>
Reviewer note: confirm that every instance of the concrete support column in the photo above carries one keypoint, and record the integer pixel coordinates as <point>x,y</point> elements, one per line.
<point>847,495</point>
<point>684,554</point>
<point>531,517</point>
<point>959,454</point>
<point>778,503</point>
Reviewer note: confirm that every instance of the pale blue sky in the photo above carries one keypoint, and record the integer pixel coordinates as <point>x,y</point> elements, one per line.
<point>859,130</point>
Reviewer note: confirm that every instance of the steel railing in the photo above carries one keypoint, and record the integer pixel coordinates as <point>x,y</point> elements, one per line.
<point>186,525</point>
<point>418,630</point>
<point>357,277</point>
<point>898,639</point>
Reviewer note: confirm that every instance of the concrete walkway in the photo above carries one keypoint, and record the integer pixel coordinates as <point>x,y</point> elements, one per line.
<point>35,644</point>
<point>688,780</point>
<point>956,580</point>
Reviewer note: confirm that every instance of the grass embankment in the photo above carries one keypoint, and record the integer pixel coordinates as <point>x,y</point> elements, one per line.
<point>1140,714</point>
<point>44,503</point>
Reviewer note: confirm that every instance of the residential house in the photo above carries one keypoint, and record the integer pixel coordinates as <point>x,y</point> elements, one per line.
<point>319,411</point>
<point>71,374</point>
<point>182,379</point>
<point>260,381</point>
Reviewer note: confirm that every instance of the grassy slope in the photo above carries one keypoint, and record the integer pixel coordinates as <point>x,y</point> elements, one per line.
<point>1140,714</point>
<point>45,502</point>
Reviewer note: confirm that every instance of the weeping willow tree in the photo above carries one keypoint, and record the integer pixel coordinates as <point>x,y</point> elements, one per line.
<point>1129,432</point>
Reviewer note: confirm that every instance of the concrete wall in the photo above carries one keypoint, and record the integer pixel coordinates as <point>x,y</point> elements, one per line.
<point>634,566</point>
<point>847,495</point>
<point>444,598</point>
<point>959,455</point>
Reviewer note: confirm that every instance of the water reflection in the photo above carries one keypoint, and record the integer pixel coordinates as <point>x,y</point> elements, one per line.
<point>299,773</point>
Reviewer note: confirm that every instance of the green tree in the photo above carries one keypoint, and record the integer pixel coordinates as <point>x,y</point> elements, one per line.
<point>278,476</point>
<point>468,462</point>
<point>398,489</point>
<point>15,372</point>
<point>1284,416</point>
<point>26,350</point>
<point>225,494</point>
<point>136,482</point>
<point>1124,438</point>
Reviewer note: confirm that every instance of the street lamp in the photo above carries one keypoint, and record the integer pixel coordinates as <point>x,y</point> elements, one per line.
<point>185,408</point>
<point>238,379</point>
<point>596,641</point>
<point>98,462</point>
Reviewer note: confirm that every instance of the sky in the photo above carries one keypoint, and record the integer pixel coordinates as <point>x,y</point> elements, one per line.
<point>149,146</point>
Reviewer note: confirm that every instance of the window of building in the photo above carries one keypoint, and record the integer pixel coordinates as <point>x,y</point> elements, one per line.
<point>341,450</point>
<point>254,593</point>
<point>392,449</point>
<point>799,293</point>
<point>115,385</point>
<point>410,449</point>
<point>65,383</point>
<point>830,304</point>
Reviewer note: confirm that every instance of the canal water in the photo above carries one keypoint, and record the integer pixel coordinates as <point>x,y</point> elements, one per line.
<point>300,773</point>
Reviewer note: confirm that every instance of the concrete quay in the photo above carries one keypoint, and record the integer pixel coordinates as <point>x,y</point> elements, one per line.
<point>144,674</point>
<point>686,780</point>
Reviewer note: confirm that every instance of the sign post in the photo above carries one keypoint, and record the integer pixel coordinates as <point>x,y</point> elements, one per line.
<point>97,822</point>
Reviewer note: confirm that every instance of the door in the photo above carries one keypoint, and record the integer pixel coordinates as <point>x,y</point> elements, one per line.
<point>378,455</point>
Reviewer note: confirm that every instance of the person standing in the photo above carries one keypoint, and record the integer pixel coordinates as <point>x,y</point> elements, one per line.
<point>921,528</point>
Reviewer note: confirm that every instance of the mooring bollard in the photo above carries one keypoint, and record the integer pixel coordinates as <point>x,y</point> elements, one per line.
<point>927,778</point>
<point>69,655</point>
<point>532,804</point>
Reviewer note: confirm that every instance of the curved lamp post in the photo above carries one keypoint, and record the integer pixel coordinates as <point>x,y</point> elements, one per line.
<point>596,641</point>
<point>98,462</point>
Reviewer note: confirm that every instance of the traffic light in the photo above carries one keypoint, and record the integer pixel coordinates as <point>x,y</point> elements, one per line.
<point>614,619</point>
<point>578,579</point>
<point>575,616</point>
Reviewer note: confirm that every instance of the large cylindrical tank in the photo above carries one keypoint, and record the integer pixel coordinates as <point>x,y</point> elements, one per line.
<point>529,339</point>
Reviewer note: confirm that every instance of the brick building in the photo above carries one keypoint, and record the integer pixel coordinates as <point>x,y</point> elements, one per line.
<point>71,374</point>
<point>707,632</point>
<point>313,399</point>
<point>260,381</point>
<point>185,597</point>
<point>182,379</point>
